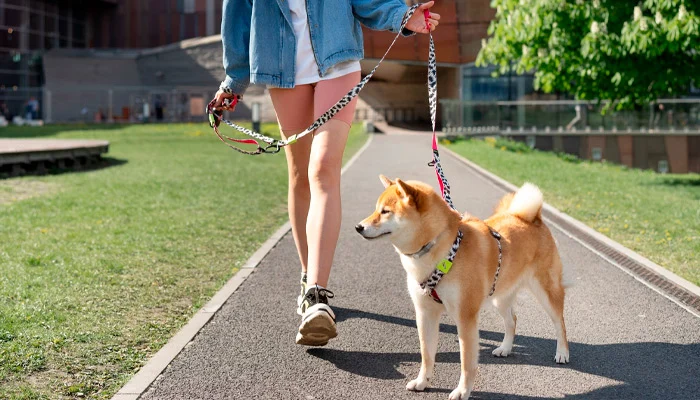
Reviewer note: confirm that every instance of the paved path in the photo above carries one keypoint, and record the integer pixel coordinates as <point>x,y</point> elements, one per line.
<point>627,341</point>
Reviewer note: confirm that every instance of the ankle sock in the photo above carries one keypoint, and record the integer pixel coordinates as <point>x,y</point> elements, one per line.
<point>310,287</point>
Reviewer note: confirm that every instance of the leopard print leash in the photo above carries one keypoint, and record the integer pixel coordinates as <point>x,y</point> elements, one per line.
<point>274,145</point>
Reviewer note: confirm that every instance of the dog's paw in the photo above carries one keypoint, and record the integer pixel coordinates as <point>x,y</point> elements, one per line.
<point>562,357</point>
<point>501,351</point>
<point>418,384</point>
<point>460,394</point>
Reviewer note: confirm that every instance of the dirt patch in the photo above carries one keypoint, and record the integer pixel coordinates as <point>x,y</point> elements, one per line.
<point>14,190</point>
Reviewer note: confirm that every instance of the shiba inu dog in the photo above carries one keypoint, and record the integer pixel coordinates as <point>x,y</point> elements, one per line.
<point>423,230</point>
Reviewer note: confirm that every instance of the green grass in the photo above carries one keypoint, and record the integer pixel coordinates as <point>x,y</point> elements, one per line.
<point>99,269</point>
<point>655,215</point>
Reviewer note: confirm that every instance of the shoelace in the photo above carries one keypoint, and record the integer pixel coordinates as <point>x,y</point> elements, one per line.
<point>318,292</point>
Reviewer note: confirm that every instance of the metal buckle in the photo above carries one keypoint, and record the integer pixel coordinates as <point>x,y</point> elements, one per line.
<point>276,147</point>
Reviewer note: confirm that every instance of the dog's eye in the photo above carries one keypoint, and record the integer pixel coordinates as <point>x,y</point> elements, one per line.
<point>385,211</point>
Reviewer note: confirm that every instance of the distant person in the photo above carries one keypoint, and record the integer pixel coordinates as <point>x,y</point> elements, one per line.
<point>5,111</point>
<point>33,109</point>
<point>159,109</point>
<point>308,53</point>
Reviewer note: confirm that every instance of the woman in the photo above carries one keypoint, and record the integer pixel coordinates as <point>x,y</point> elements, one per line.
<point>307,52</point>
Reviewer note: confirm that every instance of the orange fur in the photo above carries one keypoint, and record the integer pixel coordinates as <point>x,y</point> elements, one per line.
<point>530,258</point>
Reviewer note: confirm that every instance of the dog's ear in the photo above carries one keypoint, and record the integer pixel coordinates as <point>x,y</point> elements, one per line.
<point>405,190</point>
<point>385,181</point>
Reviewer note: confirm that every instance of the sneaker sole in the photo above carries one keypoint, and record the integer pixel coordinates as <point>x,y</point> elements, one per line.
<point>300,298</point>
<point>316,330</point>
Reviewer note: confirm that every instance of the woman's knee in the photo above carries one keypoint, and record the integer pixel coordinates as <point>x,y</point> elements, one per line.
<point>324,173</point>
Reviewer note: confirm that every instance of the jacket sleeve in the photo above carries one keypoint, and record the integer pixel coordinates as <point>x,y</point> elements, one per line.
<point>235,35</point>
<point>381,15</point>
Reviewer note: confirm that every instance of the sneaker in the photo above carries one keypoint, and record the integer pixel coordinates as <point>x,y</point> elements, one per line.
<point>317,320</point>
<point>300,299</point>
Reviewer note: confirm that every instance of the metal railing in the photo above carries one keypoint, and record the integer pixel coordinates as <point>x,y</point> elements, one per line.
<point>118,104</point>
<point>570,117</point>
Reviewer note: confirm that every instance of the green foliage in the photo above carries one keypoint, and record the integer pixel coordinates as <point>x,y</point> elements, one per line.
<point>626,52</point>
<point>508,145</point>
<point>568,158</point>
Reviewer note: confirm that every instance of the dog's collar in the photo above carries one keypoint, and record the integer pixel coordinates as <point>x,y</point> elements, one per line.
<point>441,269</point>
<point>423,250</point>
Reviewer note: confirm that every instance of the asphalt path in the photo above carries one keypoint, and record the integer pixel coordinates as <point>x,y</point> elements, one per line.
<point>626,340</point>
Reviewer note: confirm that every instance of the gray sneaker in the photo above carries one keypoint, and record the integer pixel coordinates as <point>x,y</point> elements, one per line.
<point>300,299</point>
<point>317,320</point>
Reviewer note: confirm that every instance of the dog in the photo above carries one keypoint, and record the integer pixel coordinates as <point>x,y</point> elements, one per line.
<point>422,228</point>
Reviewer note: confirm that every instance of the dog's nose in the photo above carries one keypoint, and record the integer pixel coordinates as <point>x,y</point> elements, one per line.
<point>359,228</point>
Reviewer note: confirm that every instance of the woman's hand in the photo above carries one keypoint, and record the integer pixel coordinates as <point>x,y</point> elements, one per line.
<point>224,101</point>
<point>417,21</point>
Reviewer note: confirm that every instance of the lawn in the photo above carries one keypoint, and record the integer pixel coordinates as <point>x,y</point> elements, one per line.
<point>99,269</point>
<point>655,215</point>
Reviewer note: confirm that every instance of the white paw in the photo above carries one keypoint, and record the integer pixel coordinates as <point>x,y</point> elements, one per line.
<point>460,394</point>
<point>418,384</point>
<point>562,357</point>
<point>502,351</point>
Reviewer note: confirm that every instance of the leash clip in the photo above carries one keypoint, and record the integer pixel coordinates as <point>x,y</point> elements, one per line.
<point>275,146</point>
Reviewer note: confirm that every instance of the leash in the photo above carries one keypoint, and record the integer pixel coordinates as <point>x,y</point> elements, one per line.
<point>275,145</point>
<point>432,101</point>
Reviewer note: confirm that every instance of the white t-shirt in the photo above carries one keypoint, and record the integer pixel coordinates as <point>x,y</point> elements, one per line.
<point>306,67</point>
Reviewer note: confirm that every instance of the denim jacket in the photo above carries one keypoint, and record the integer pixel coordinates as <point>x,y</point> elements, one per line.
<point>260,46</point>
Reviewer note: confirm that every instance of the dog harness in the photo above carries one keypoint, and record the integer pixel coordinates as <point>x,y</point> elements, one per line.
<point>445,265</point>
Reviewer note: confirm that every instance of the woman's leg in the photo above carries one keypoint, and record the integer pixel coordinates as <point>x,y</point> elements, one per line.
<point>294,109</point>
<point>323,222</point>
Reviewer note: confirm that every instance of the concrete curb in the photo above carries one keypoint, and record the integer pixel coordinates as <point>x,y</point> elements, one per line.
<point>148,374</point>
<point>670,276</point>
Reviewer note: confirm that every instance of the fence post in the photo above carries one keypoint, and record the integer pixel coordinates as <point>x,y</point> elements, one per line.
<point>110,105</point>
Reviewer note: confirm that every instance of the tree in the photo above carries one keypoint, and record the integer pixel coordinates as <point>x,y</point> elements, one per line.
<point>626,52</point>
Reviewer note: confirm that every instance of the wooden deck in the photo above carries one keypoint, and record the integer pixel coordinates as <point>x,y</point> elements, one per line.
<point>21,156</point>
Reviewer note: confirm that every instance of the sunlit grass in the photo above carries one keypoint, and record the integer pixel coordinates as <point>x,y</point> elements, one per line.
<point>99,269</point>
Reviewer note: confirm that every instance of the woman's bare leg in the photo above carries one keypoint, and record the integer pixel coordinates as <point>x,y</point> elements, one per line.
<point>294,109</point>
<point>323,222</point>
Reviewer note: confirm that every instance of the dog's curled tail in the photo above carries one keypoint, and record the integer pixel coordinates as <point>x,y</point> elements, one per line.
<point>526,203</point>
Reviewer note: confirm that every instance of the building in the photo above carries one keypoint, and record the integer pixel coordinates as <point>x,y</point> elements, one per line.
<point>30,28</point>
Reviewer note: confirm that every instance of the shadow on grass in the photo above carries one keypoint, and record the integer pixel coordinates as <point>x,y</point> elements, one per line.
<point>690,180</point>
<point>642,370</point>
<point>53,169</point>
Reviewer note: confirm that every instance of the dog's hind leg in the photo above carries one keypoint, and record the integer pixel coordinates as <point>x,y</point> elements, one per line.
<point>505,308</point>
<point>550,294</point>
<point>428,321</point>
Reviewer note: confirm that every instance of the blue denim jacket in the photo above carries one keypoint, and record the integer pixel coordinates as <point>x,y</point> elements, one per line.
<point>260,46</point>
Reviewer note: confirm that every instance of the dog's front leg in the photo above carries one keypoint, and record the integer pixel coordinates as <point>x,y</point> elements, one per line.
<point>428,321</point>
<point>469,354</point>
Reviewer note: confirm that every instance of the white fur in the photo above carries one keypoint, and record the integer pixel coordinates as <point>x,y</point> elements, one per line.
<point>527,202</point>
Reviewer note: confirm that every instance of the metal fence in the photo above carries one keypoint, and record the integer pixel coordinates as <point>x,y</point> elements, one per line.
<point>154,104</point>
<point>663,116</point>
<point>120,104</point>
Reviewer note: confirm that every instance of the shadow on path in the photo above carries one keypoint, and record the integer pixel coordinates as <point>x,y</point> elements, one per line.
<point>53,168</point>
<point>646,369</point>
